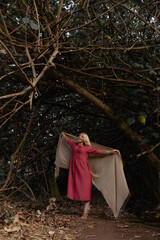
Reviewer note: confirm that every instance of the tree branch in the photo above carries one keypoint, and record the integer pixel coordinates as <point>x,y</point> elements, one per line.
<point>149,151</point>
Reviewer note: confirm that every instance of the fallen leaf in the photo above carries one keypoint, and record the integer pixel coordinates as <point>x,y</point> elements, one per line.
<point>61,232</point>
<point>155,234</point>
<point>51,233</point>
<point>91,226</point>
<point>38,219</point>
<point>38,213</point>
<point>123,226</point>
<point>67,238</point>
<point>16,219</point>
<point>90,236</point>
<point>12,229</point>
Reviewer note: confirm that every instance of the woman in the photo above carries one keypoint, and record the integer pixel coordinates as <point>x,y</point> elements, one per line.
<point>79,178</point>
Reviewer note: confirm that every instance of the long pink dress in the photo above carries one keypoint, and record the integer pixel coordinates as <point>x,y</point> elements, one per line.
<point>79,178</point>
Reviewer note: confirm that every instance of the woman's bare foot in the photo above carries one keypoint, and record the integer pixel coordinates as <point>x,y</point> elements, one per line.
<point>85,216</point>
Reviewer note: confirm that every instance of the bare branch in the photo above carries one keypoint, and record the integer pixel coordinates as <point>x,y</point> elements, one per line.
<point>105,78</point>
<point>7,32</point>
<point>99,16</point>
<point>18,149</point>
<point>16,94</point>
<point>149,151</point>
<point>38,23</point>
<point>34,198</point>
<point>14,112</point>
<point>1,108</point>
<point>10,54</point>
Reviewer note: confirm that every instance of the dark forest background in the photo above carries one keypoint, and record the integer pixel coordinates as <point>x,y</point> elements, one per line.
<point>79,66</point>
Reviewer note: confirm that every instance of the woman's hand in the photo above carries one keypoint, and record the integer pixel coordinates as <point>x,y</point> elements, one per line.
<point>63,134</point>
<point>115,151</point>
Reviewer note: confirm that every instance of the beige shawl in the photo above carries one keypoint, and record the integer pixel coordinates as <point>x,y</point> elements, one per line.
<point>107,173</point>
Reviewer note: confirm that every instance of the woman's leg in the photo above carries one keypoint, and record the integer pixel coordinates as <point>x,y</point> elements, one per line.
<point>86,210</point>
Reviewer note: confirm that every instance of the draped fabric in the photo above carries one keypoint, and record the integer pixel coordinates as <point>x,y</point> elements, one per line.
<point>107,172</point>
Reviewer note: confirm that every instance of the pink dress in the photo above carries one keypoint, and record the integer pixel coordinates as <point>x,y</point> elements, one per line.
<point>79,178</point>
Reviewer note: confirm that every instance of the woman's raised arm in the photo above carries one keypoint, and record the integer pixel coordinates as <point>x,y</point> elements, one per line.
<point>69,141</point>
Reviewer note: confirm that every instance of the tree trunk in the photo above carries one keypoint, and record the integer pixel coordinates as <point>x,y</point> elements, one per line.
<point>53,186</point>
<point>107,110</point>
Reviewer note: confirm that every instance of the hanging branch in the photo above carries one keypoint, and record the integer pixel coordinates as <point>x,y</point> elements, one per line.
<point>34,76</point>
<point>84,4</point>
<point>38,23</point>
<point>44,174</point>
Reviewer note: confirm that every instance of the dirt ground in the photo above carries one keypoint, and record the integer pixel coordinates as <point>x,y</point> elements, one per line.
<point>63,221</point>
<point>103,229</point>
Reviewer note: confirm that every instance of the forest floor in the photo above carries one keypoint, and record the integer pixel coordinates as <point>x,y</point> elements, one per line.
<point>62,221</point>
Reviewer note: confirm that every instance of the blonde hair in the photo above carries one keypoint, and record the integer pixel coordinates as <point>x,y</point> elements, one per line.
<point>86,139</point>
